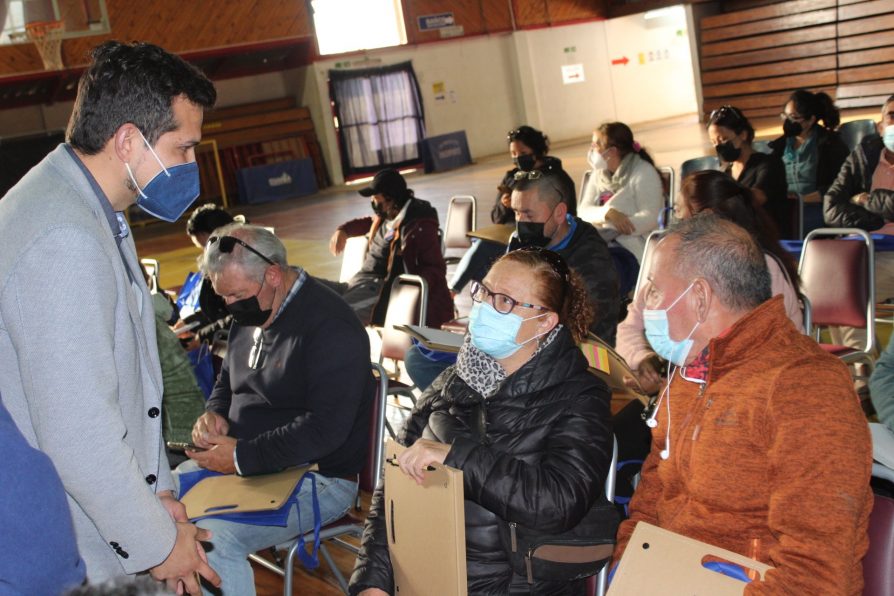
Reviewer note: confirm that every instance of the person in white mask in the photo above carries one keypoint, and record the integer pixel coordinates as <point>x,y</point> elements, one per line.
<point>759,445</point>
<point>623,196</point>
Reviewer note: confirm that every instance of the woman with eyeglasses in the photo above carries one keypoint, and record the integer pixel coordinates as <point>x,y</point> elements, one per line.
<point>520,416</point>
<point>732,134</point>
<point>624,196</point>
<point>811,149</point>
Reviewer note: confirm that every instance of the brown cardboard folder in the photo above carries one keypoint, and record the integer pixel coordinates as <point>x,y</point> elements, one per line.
<point>237,494</point>
<point>657,561</point>
<point>608,365</point>
<point>426,527</point>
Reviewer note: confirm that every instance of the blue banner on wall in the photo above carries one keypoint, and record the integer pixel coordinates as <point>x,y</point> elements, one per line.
<point>430,22</point>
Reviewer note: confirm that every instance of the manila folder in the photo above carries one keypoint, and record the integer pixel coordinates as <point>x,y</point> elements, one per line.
<point>241,494</point>
<point>657,561</point>
<point>426,527</point>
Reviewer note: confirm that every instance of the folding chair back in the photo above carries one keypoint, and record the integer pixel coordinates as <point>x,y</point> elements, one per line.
<point>461,218</point>
<point>372,470</point>
<point>583,185</point>
<point>596,585</point>
<point>853,132</point>
<point>878,571</point>
<point>352,257</point>
<point>838,278</point>
<point>697,164</point>
<point>406,306</point>
<point>646,264</point>
<point>151,267</point>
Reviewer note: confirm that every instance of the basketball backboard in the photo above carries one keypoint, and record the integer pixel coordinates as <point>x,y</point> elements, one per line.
<point>80,17</point>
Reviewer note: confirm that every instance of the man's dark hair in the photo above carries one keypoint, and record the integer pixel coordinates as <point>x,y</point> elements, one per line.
<point>726,256</point>
<point>134,83</point>
<point>207,218</point>
<point>547,183</point>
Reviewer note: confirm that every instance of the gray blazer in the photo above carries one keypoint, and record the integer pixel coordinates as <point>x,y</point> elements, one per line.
<point>79,368</point>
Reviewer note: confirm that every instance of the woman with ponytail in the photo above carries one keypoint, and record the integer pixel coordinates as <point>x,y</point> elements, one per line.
<point>520,416</point>
<point>623,197</point>
<point>811,150</point>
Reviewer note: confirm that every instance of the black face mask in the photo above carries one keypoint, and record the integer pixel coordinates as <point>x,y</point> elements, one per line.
<point>248,313</point>
<point>791,129</point>
<point>728,152</point>
<point>531,233</point>
<point>379,209</point>
<point>524,162</point>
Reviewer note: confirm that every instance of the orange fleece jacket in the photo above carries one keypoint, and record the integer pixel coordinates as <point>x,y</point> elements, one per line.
<point>776,448</point>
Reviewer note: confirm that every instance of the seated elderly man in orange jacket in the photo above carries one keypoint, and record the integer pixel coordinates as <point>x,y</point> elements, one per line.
<point>759,444</point>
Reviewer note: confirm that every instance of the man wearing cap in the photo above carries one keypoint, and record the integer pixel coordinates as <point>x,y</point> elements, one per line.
<point>403,238</point>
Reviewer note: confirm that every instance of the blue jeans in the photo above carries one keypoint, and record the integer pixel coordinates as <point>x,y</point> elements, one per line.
<point>423,371</point>
<point>232,542</point>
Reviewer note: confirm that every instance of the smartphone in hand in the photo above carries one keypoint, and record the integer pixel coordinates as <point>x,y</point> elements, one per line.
<point>179,446</point>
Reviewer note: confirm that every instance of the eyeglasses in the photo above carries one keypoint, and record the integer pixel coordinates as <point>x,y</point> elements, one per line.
<point>792,117</point>
<point>502,303</point>
<point>226,244</point>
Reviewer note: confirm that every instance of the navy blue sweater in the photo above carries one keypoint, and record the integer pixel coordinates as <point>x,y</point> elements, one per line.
<point>39,554</point>
<point>310,401</point>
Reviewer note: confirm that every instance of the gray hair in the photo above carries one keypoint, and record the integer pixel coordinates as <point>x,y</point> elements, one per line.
<point>726,256</point>
<point>261,239</point>
<point>548,187</point>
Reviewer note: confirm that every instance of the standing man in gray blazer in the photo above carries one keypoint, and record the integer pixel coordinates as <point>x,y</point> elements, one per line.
<point>79,369</point>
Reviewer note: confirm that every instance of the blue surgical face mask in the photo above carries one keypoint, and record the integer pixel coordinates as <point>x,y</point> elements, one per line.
<point>170,193</point>
<point>494,333</point>
<point>888,137</point>
<point>657,330</point>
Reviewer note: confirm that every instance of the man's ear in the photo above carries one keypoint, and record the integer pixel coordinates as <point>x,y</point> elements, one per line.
<point>561,210</point>
<point>273,275</point>
<point>125,141</point>
<point>703,296</point>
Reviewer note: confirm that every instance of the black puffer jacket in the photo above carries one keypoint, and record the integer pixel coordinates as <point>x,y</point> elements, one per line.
<point>540,460</point>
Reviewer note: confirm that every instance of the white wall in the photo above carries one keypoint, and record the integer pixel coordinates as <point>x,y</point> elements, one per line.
<point>658,80</point>
<point>565,111</point>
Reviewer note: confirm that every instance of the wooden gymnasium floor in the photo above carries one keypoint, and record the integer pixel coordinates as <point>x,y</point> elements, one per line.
<point>305,225</point>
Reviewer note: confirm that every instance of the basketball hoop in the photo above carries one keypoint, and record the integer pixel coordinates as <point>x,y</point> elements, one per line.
<point>47,37</point>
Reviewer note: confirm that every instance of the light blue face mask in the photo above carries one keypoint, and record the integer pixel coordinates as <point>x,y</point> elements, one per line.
<point>170,193</point>
<point>494,333</point>
<point>657,330</point>
<point>888,137</point>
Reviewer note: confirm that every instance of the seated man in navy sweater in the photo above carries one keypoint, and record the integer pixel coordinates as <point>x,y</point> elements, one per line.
<point>295,387</point>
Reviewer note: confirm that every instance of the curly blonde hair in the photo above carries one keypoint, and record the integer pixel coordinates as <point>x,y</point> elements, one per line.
<point>558,287</point>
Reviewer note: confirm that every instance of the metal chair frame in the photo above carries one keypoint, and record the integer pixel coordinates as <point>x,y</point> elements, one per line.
<point>856,356</point>
<point>335,531</point>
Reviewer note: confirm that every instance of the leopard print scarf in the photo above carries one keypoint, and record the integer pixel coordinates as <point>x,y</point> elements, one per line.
<point>482,372</point>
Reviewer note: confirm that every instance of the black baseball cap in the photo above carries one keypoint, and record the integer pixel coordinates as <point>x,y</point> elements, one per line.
<point>386,182</point>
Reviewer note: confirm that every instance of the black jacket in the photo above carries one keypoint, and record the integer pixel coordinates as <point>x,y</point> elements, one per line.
<point>310,400</point>
<point>587,253</point>
<point>831,152</point>
<point>854,178</point>
<point>536,453</point>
